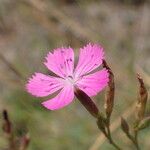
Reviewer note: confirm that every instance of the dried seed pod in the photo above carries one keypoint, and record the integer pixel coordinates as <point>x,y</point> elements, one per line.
<point>87,102</point>
<point>142,99</point>
<point>110,91</point>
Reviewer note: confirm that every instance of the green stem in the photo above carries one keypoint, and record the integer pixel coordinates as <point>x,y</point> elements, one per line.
<point>104,126</point>
<point>134,140</point>
<point>109,137</point>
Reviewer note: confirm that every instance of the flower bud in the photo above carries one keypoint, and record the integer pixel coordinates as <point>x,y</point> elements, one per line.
<point>87,102</point>
<point>142,99</point>
<point>110,90</point>
<point>124,126</point>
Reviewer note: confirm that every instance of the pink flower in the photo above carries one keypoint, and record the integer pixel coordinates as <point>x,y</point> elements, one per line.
<point>61,62</point>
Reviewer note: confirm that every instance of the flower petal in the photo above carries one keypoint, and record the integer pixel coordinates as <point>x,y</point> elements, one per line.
<point>90,58</point>
<point>93,83</point>
<point>42,85</point>
<point>65,97</point>
<point>61,62</point>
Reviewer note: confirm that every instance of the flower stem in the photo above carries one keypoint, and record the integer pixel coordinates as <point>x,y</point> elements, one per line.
<point>104,126</point>
<point>136,140</point>
<point>110,137</point>
<point>114,144</point>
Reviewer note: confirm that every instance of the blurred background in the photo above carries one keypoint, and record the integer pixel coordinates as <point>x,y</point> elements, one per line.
<point>31,28</point>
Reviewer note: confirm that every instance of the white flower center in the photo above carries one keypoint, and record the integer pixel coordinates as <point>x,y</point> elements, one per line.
<point>70,80</point>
